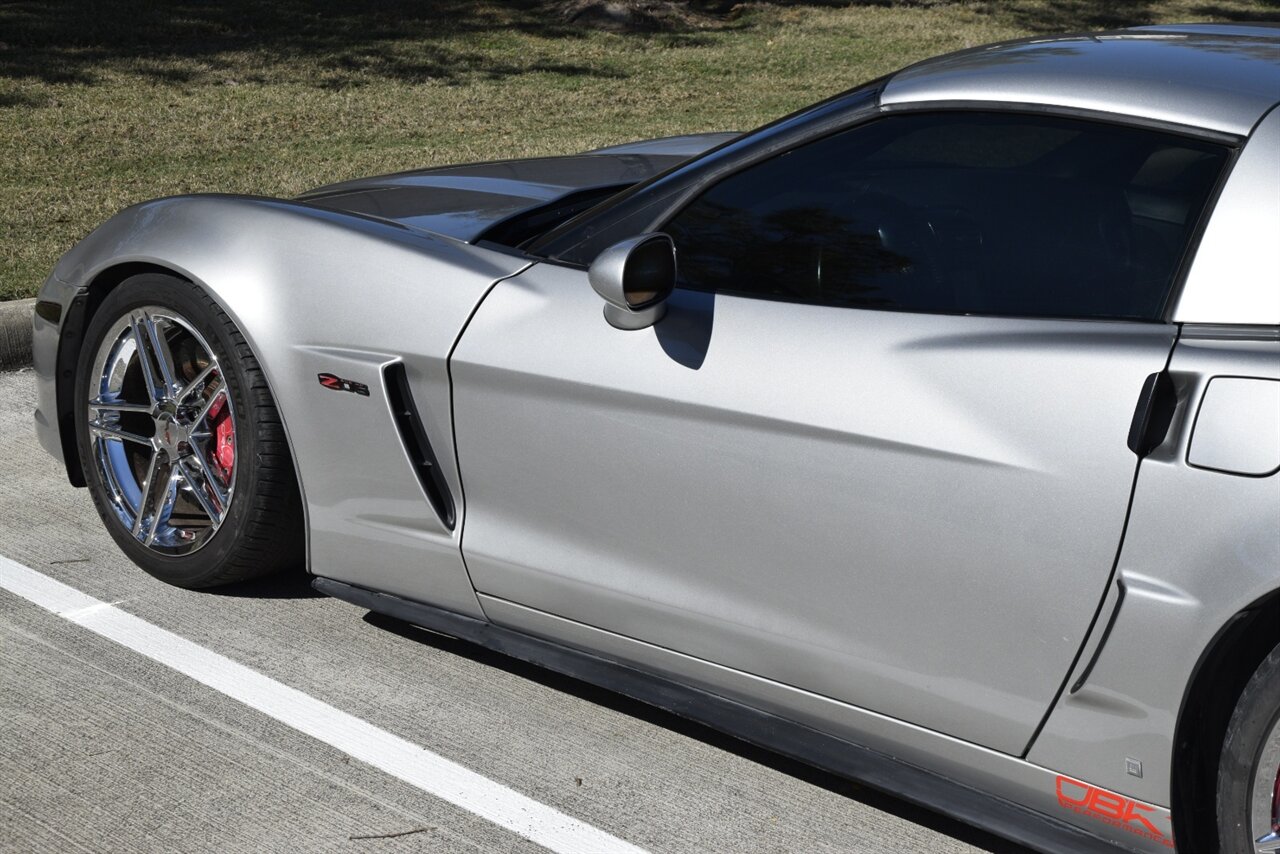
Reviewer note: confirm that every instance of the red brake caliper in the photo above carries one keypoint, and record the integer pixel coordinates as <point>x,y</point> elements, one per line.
<point>1275,804</point>
<point>224,438</point>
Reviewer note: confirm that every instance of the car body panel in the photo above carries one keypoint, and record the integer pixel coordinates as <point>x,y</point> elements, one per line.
<point>46,335</point>
<point>465,201</point>
<point>1201,77</point>
<point>814,499</point>
<point>1235,277</point>
<point>1201,546</point>
<point>319,292</point>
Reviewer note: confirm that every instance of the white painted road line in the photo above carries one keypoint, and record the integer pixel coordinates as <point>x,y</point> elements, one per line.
<point>415,765</point>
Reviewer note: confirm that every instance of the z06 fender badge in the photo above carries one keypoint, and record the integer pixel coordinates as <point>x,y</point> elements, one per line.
<point>1115,810</point>
<point>339,384</point>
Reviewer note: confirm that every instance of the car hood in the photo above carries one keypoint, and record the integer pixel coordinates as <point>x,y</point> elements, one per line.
<point>464,202</point>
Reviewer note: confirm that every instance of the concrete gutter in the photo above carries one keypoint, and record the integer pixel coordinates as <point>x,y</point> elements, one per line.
<point>15,333</point>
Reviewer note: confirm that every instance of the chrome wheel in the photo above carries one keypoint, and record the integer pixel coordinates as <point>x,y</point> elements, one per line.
<point>162,430</point>
<point>1264,799</point>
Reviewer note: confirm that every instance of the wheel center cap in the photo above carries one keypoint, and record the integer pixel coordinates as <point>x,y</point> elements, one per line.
<point>170,435</point>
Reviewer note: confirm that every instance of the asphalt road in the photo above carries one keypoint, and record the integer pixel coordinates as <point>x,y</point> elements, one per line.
<point>105,749</point>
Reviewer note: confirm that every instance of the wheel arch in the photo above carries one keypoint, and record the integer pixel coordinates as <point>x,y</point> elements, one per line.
<point>1219,677</point>
<point>79,315</point>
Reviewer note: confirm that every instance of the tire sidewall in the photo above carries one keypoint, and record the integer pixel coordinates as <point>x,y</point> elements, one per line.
<point>199,567</point>
<point>1256,713</point>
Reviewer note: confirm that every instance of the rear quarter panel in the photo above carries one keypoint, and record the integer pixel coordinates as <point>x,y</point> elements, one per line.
<point>1201,546</point>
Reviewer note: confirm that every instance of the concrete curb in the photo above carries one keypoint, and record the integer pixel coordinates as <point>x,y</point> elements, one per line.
<point>15,333</point>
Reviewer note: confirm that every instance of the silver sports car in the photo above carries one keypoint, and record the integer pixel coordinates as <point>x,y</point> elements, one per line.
<point>929,435</point>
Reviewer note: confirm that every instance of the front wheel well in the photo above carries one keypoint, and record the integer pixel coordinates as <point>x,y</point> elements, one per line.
<point>1218,680</point>
<point>70,342</point>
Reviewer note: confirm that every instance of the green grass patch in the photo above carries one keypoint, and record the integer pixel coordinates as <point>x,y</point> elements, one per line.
<point>105,103</point>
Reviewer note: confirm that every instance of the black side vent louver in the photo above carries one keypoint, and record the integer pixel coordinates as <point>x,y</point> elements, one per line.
<point>416,443</point>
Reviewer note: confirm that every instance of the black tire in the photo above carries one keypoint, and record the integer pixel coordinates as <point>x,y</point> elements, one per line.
<point>1252,725</point>
<point>262,531</point>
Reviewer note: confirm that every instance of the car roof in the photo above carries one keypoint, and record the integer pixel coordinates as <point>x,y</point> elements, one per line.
<point>1218,77</point>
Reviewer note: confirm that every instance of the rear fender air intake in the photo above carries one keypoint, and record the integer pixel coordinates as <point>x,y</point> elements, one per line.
<point>416,444</point>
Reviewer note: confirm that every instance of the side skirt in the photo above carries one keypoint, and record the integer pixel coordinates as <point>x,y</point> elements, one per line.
<point>760,728</point>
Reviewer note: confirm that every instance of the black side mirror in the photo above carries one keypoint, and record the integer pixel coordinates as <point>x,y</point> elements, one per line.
<point>635,277</point>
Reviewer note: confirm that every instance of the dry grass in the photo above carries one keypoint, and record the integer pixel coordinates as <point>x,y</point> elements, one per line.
<point>107,103</point>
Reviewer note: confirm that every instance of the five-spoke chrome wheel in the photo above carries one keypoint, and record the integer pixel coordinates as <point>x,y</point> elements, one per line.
<point>162,430</point>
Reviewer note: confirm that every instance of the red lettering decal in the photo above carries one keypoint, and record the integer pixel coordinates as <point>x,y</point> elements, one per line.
<point>1110,808</point>
<point>1106,804</point>
<point>1066,799</point>
<point>1131,814</point>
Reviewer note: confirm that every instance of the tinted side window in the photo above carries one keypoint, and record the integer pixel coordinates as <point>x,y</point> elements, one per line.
<point>978,213</point>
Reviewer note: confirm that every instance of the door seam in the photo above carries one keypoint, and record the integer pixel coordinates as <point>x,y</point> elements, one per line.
<point>453,428</point>
<point>1111,580</point>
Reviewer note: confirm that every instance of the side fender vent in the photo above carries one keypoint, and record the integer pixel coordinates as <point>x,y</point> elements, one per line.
<point>414,437</point>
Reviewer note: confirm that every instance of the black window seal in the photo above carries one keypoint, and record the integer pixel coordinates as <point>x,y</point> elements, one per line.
<point>1068,112</point>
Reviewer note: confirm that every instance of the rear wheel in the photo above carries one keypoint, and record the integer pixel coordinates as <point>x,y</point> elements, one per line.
<point>1249,770</point>
<point>180,440</point>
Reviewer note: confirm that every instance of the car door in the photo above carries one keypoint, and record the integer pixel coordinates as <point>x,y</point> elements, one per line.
<point>876,449</point>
